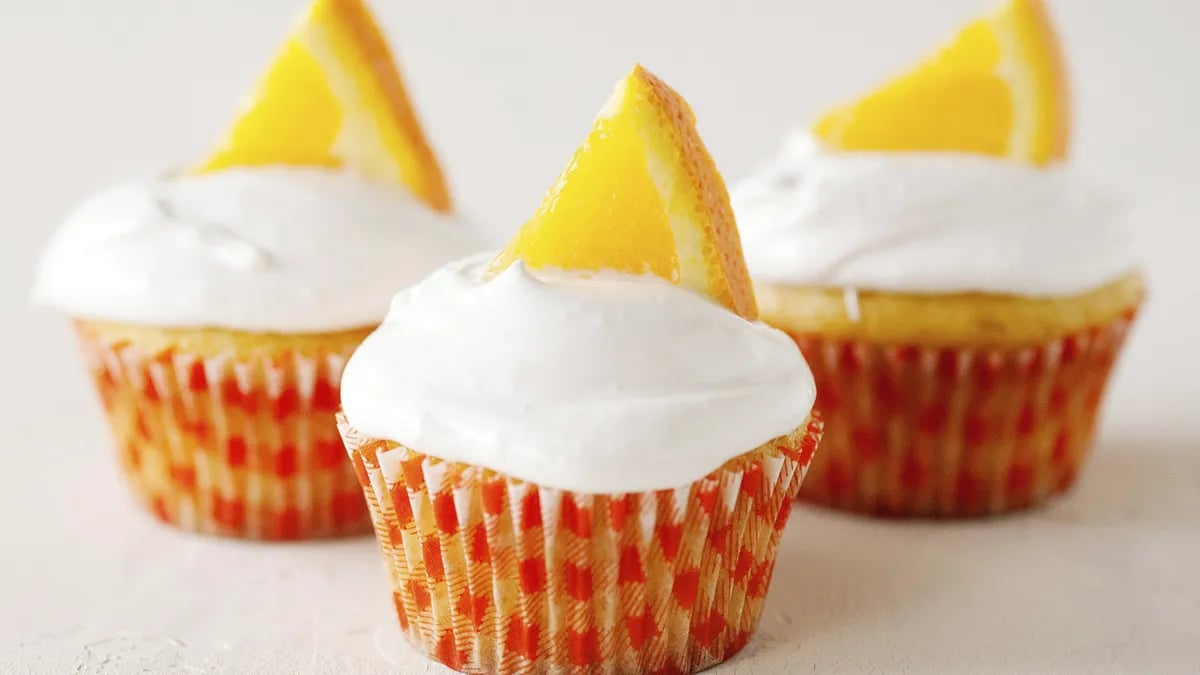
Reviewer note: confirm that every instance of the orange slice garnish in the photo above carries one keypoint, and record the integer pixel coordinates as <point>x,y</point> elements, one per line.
<point>999,88</point>
<point>641,196</point>
<point>333,97</point>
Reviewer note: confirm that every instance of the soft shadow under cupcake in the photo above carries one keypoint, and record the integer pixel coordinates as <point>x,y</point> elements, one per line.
<point>827,586</point>
<point>1134,482</point>
<point>1035,589</point>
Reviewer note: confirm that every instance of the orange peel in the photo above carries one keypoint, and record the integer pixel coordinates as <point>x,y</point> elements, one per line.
<point>641,196</point>
<point>999,88</point>
<point>334,97</point>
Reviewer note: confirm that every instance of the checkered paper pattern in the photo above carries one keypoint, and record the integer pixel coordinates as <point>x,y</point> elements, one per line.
<point>955,432</point>
<point>493,574</point>
<point>230,446</point>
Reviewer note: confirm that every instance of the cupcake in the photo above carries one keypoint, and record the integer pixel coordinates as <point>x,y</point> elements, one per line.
<point>217,307</point>
<point>960,294</point>
<point>580,453</point>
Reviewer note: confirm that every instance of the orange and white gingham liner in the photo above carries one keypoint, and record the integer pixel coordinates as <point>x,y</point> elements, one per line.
<point>236,447</point>
<point>493,574</point>
<point>955,432</point>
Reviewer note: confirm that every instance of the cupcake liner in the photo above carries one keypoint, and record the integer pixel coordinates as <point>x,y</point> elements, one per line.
<point>241,447</point>
<point>494,574</point>
<point>955,432</point>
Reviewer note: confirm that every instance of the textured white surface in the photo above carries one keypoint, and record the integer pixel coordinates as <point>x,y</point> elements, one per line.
<point>1103,581</point>
<point>288,249</point>
<point>928,222</point>
<point>607,383</point>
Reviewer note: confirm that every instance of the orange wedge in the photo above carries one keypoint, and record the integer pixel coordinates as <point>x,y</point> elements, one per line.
<point>641,196</point>
<point>333,97</point>
<point>999,88</point>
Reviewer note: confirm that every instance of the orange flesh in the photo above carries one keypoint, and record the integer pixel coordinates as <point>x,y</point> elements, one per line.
<point>334,98</point>
<point>641,196</point>
<point>999,88</point>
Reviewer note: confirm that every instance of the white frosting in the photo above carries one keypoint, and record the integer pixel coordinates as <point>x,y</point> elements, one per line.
<point>596,384</point>
<point>276,249</point>
<point>927,222</point>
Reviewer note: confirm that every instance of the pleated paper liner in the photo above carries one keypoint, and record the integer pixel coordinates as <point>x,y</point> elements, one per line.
<point>241,446</point>
<point>493,574</point>
<point>955,432</point>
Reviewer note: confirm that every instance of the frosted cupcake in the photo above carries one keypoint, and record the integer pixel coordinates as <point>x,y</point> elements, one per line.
<point>960,294</point>
<point>580,453</point>
<point>217,307</point>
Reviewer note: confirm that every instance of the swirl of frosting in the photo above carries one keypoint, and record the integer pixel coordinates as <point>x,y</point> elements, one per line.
<point>273,249</point>
<point>593,383</point>
<point>927,223</point>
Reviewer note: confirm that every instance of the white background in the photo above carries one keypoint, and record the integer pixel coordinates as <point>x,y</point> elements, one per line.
<point>91,92</point>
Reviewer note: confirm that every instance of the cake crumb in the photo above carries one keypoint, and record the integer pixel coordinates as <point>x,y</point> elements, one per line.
<point>850,298</point>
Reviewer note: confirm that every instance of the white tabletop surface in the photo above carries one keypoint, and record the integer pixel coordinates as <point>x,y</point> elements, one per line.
<point>1105,580</point>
